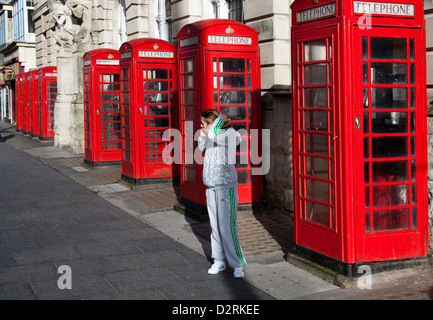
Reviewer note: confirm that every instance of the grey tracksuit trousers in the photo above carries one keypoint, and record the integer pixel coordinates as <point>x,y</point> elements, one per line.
<point>222,206</point>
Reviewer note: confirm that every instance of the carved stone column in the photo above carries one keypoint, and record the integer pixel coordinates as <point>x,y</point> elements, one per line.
<point>66,97</point>
<point>73,24</point>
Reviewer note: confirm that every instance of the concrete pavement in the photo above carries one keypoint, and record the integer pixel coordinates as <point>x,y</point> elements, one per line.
<point>125,242</point>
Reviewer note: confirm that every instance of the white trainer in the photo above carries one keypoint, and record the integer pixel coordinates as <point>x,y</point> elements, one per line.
<point>238,273</point>
<point>217,267</point>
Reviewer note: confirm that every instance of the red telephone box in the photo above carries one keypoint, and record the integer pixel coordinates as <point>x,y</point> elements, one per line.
<point>359,131</point>
<point>148,74</point>
<point>102,107</point>
<point>47,96</point>
<point>26,103</point>
<point>34,103</point>
<point>219,67</point>
<point>19,102</point>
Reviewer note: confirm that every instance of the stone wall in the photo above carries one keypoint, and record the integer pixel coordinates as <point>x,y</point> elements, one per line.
<point>44,29</point>
<point>273,21</point>
<point>184,12</point>
<point>277,117</point>
<point>104,22</point>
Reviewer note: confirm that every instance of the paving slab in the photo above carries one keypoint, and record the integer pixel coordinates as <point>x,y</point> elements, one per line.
<point>50,152</point>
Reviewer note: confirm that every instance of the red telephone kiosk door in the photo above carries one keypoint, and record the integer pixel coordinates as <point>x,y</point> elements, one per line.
<point>148,70</point>
<point>391,143</point>
<point>219,67</point>
<point>102,131</point>
<point>26,103</point>
<point>315,148</point>
<point>359,131</point>
<point>34,103</point>
<point>19,102</point>
<point>48,95</point>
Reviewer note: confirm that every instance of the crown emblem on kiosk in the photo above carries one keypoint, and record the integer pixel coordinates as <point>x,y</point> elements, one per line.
<point>110,56</point>
<point>230,30</point>
<point>155,46</point>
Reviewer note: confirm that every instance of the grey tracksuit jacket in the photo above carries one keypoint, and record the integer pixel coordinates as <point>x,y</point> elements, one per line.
<point>220,155</point>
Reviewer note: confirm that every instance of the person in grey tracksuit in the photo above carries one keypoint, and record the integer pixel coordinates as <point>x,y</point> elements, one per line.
<point>220,178</point>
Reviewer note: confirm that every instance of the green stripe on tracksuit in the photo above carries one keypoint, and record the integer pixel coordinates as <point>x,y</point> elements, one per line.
<point>222,208</point>
<point>217,129</point>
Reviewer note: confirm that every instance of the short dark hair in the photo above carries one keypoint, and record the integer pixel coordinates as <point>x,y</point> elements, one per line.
<point>209,116</point>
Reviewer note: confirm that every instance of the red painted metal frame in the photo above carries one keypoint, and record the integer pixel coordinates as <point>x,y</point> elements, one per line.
<point>139,135</point>
<point>100,116</point>
<point>34,103</point>
<point>351,244</point>
<point>19,101</point>
<point>26,103</point>
<point>194,44</point>
<point>48,94</point>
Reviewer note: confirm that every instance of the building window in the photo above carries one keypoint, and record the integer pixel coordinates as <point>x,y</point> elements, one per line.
<point>2,28</point>
<point>22,21</point>
<point>31,24</point>
<point>236,11</point>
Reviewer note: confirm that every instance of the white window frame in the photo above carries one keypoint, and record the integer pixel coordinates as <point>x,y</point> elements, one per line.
<point>21,23</point>
<point>3,19</point>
